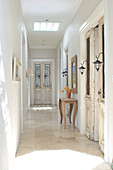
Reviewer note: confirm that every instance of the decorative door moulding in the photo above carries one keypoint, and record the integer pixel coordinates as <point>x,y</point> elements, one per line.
<point>74,74</point>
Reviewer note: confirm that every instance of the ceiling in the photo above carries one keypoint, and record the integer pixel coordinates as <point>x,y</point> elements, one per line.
<point>60,11</point>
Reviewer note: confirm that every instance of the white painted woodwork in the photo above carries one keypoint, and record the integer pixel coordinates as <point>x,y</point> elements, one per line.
<point>89,23</point>
<point>101,100</point>
<point>95,109</point>
<point>108,124</point>
<point>89,100</point>
<point>101,125</point>
<point>88,117</point>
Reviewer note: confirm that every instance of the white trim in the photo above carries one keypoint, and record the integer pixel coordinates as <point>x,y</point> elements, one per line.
<point>91,22</point>
<point>22,93</point>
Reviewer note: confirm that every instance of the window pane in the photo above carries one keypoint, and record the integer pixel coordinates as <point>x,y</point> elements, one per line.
<point>37,75</point>
<point>47,75</point>
<point>103,62</point>
<point>88,66</point>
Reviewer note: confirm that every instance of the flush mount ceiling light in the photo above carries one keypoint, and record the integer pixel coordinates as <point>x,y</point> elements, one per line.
<point>46,26</point>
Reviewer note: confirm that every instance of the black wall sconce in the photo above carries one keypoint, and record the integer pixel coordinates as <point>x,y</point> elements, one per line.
<point>65,72</point>
<point>98,63</point>
<point>82,68</point>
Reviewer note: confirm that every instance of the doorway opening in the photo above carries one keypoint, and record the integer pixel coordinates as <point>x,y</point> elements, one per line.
<point>95,90</point>
<point>43,84</point>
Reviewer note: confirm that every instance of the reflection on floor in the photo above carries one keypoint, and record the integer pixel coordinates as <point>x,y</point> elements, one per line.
<point>45,144</point>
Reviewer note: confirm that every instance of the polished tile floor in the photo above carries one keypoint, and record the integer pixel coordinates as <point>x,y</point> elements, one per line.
<point>44,134</point>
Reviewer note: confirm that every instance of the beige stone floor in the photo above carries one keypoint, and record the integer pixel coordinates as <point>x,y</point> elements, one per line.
<point>43,132</point>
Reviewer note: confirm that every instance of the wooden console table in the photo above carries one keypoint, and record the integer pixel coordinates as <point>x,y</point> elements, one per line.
<point>62,103</point>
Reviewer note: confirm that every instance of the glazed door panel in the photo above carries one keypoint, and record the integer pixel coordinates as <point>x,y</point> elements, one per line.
<point>47,86</point>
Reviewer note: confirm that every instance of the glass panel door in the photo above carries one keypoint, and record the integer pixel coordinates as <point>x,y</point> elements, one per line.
<point>43,84</point>
<point>37,75</point>
<point>47,75</point>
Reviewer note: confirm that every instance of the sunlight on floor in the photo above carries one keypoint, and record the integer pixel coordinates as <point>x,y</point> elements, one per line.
<point>43,108</point>
<point>57,160</point>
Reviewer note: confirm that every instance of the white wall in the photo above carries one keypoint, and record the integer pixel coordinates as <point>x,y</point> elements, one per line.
<point>71,42</point>
<point>44,55</point>
<point>109,80</point>
<point>11,24</point>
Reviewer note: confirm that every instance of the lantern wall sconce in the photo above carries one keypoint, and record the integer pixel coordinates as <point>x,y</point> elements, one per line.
<point>64,72</point>
<point>82,68</point>
<point>98,63</point>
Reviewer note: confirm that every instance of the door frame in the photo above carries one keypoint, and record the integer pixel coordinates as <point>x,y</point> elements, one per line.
<point>91,22</point>
<point>52,61</point>
<point>23,49</point>
<point>42,89</point>
<point>87,25</point>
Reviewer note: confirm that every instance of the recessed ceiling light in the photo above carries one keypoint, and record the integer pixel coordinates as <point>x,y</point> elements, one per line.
<point>46,26</point>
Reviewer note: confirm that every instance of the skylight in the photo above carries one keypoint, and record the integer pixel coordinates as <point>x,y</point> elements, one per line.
<point>46,26</point>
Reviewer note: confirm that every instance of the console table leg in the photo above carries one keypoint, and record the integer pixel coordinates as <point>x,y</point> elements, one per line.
<point>74,116</point>
<point>64,115</point>
<point>71,107</point>
<point>60,108</point>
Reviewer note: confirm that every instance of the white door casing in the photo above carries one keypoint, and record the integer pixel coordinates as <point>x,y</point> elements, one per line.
<point>91,22</point>
<point>95,105</point>
<point>101,100</point>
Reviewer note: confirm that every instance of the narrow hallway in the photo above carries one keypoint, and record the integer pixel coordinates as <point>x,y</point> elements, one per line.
<point>45,144</point>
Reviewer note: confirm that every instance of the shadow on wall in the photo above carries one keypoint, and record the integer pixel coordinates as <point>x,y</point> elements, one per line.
<point>6,145</point>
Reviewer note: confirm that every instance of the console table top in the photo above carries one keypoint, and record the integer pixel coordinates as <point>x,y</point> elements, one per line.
<point>68,99</point>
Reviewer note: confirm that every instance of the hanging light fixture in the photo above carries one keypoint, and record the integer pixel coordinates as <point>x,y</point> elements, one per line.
<point>98,63</point>
<point>82,68</point>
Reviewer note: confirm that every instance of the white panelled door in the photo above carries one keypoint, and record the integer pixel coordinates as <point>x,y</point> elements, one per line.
<point>42,84</point>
